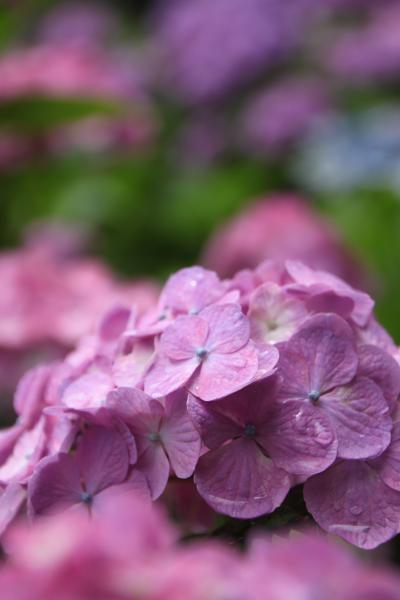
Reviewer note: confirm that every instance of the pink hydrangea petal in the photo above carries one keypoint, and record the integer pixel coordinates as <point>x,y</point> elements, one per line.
<point>388,464</point>
<point>55,485</point>
<point>11,500</point>
<point>135,487</point>
<point>274,315</point>
<point>361,418</point>
<point>268,357</point>
<point>166,376</point>
<point>26,452</point>
<point>191,289</point>
<point>154,465</point>
<point>329,302</point>
<point>137,409</point>
<point>382,368</point>
<point>129,370</point>
<point>299,438</point>
<point>240,481</point>
<point>103,458</point>
<point>180,438</point>
<point>304,276</point>
<point>88,391</point>
<point>319,357</point>
<point>180,340</point>
<point>223,374</point>
<point>215,428</point>
<point>229,328</point>
<point>29,395</point>
<point>351,500</point>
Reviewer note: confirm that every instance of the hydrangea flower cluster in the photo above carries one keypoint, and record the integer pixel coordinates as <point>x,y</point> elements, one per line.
<point>53,295</point>
<point>278,377</point>
<point>132,552</point>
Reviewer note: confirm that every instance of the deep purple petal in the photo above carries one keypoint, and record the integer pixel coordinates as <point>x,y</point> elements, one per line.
<point>180,438</point>
<point>55,485</point>
<point>299,438</point>
<point>103,458</point>
<point>215,427</point>
<point>388,464</point>
<point>321,356</point>
<point>351,500</point>
<point>360,417</point>
<point>382,368</point>
<point>240,481</point>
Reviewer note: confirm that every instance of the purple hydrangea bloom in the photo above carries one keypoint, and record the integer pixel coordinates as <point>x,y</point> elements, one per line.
<point>254,443</point>
<point>99,468</point>
<point>211,354</point>
<point>222,55</point>
<point>318,366</point>
<point>164,434</point>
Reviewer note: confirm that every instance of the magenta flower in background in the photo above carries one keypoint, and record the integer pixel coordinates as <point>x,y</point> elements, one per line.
<point>99,468</point>
<point>318,366</point>
<point>164,434</point>
<point>211,354</point>
<point>279,227</point>
<point>254,444</point>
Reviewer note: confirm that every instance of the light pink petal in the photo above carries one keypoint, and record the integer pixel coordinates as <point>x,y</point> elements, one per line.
<point>26,453</point>
<point>181,339</point>
<point>135,487</point>
<point>268,357</point>
<point>223,374</point>
<point>382,368</point>
<point>54,486</point>
<point>128,370</point>
<point>240,481</point>
<point>388,464</point>
<point>229,328</point>
<point>319,357</point>
<point>29,395</point>
<point>88,391</point>
<point>154,465</point>
<point>11,500</point>
<point>274,314</point>
<point>360,417</point>
<point>299,438</point>
<point>215,428</point>
<point>191,290</point>
<point>166,376</point>
<point>351,500</point>
<point>103,458</point>
<point>180,438</point>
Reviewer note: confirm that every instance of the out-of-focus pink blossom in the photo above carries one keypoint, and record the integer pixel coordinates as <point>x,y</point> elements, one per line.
<point>278,227</point>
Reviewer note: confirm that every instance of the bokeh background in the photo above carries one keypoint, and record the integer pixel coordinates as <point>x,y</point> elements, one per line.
<point>148,124</point>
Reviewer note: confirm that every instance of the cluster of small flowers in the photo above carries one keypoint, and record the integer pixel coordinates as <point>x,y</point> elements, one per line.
<point>53,295</point>
<point>278,377</point>
<point>132,552</point>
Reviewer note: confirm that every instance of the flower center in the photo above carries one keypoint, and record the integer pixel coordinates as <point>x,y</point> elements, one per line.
<point>154,436</point>
<point>249,430</point>
<point>201,353</point>
<point>314,395</point>
<point>86,498</point>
